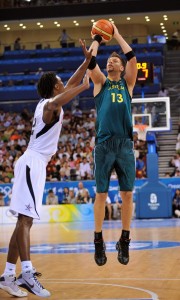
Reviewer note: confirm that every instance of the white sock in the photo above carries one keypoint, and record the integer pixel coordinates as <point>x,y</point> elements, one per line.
<point>10,269</point>
<point>26,265</point>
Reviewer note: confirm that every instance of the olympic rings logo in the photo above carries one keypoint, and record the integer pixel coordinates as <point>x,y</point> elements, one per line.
<point>6,190</point>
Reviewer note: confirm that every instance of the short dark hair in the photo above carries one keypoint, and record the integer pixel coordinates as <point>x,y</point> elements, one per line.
<point>45,85</point>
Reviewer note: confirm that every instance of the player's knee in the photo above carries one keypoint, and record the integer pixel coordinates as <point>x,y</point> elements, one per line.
<point>127,195</point>
<point>101,197</point>
<point>25,220</point>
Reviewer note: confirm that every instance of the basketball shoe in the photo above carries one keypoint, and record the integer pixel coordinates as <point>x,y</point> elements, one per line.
<point>122,246</point>
<point>8,283</point>
<point>100,255</point>
<point>29,281</point>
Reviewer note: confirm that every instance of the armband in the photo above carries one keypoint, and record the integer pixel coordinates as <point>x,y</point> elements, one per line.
<point>97,38</point>
<point>129,55</point>
<point>92,63</point>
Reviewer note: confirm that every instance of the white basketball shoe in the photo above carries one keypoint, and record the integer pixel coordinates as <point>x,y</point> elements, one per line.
<point>29,281</point>
<point>8,284</point>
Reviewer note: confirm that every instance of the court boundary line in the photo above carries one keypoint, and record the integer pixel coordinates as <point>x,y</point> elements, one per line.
<point>152,294</point>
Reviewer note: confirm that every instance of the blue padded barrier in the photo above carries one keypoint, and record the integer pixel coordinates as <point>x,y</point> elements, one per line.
<point>172,182</point>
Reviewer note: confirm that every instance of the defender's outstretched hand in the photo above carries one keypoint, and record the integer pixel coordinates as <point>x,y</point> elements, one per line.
<point>86,81</point>
<point>87,53</point>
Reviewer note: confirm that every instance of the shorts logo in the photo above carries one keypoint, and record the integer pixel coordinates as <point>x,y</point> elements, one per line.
<point>28,207</point>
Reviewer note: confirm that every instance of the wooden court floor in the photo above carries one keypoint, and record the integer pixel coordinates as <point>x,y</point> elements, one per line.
<point>63,253</point>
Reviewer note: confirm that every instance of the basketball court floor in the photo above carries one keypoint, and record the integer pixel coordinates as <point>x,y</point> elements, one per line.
<point>63,253</point>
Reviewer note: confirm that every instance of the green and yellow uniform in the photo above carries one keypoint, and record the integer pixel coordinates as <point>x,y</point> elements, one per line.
<point>114,134</point>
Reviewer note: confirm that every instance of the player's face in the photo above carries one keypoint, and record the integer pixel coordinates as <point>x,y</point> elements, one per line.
<point>59,86</point>
<point>114,64</point>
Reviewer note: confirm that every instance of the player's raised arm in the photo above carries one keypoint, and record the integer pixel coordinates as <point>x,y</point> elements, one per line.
<point>55,103</point>
<point>95,73</point>
<point>102,31</point>
<point>69,94</point>
<point>131,66</point>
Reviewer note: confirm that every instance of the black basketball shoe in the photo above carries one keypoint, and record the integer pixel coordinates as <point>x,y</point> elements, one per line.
<point>122,246</point>
<point>100,255</point>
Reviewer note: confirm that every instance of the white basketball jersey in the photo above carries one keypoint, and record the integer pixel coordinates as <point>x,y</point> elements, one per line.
<point>44,137</point>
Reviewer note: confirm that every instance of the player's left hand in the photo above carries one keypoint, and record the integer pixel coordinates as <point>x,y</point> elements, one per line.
<point>116,32</point>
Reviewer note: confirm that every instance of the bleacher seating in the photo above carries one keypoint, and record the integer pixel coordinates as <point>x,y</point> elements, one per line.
<point>67,63</point>
<point>28,79</point>
<point>76,51</point>
<point>21,67</point>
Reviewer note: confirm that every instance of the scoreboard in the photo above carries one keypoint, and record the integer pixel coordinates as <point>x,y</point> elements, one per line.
<point>145,72</point>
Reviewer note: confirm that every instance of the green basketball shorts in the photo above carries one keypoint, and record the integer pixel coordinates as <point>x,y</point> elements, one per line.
<point>118,154</point>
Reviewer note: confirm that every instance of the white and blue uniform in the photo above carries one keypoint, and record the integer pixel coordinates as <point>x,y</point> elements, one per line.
<point>30,169</point>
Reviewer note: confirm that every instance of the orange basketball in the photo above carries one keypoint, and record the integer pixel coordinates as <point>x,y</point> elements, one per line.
<point>103,28</point>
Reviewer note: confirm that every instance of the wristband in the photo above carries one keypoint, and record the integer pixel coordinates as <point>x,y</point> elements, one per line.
<point>129,55</point>
<point>92,63</point>
<point>97,38</point>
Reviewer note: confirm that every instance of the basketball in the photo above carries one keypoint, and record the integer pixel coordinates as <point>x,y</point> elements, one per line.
<point>103,28</point>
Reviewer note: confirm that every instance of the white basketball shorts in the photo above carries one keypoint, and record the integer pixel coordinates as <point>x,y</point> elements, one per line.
<point>28,187</point>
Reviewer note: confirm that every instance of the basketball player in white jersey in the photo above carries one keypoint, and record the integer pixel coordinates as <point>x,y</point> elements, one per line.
<point>30,175</point>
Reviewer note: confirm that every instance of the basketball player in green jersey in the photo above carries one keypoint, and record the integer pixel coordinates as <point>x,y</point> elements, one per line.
<point>114,140</point>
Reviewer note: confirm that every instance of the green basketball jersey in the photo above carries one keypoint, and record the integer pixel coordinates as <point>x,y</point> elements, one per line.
<point>113,106</point>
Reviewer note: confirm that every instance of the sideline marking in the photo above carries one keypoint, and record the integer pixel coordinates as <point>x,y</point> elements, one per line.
<point>64,227</point>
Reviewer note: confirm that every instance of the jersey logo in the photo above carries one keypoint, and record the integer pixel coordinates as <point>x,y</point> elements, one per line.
<point>116,86</point>
<point>28,207</point>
